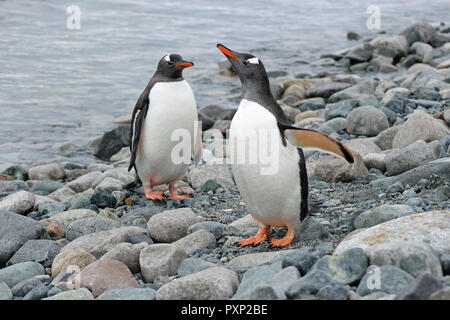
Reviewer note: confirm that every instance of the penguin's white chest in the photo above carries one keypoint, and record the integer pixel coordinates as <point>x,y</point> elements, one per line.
<point>268,175</point>
<point>172,111</point>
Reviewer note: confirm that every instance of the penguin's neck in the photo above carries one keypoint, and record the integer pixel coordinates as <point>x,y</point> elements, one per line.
<point>257,91</point>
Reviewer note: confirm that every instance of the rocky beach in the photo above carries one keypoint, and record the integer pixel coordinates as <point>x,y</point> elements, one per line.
<point>378,229</point>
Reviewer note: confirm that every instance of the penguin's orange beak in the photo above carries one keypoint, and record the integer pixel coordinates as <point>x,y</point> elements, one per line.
<point>185,64</point>
<point>226,51</point>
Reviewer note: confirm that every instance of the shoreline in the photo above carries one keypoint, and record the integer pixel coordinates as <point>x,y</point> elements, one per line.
<point>70,214</point>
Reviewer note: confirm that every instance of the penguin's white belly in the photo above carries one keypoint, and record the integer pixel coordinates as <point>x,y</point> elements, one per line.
<point>172,107</point>
<point>271,186</point>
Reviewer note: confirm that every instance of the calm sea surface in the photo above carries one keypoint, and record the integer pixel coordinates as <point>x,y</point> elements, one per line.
<point>59,85</point>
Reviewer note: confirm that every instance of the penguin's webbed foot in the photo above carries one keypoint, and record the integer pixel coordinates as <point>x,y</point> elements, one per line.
<point>174,194</point>
<point>153,195</point>
<point>260,236</point>
<point>283,242</point>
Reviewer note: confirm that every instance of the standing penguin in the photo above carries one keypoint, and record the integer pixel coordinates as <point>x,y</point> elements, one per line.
<point>279,198</point>
<point>166,104</point>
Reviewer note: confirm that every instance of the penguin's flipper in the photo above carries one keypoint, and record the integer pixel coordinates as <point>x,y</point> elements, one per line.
<point>137,121</point>
<point>198,149</point>
<point>311,139</point>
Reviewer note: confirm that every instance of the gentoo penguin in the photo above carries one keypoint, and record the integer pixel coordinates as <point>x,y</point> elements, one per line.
<point>278,198</point>
<point>167,104</point>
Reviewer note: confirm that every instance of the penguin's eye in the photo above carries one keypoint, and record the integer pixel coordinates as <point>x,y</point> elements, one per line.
<point>170,63</point>
<point>244,62</point>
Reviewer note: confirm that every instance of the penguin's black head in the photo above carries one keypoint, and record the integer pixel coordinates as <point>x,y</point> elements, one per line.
<point>249,68</point>
<point>172,66</point>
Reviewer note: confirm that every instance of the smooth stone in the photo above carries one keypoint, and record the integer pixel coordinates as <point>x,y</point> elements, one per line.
<point>216,112</point>
<point>84,226</point>
<point>51,208</point>
<point>62,194</point>
<point>367,121</point>
<point>19,202</point>
<point>385,138</point>
<point>81,201</point>
<point>49,171</point>
<point>76,294</point>
<point>347,267</point>
<point>281,281</point>
<point>256,276</point>
<point>193,265</point>
<point>5,292</point>
<point>208,284</point>
<point>45,187</point>
<point>363,92</point>
<point>15,273</point>
<point>303,259</point>
<point>84,182</point>
<point>160,260</point>
<point>255,259</point>
<point>327,89</point>
<point>37,293</point>
<point>17,172</point>
<point>128,294</point>
<point>98,243</point>
<point>139,216</point>
<point>171,225</point>
<point>375,160</point>
<point>430,227</point>
<point>112,142</point>
<point>334,292</point>
<point>363,146</point>
<point>310,284</point>
<point>64,219</point>
<point>396,42</point>
<point>340,109</point>
<point>333,169</point>
<point>311,229</point>
<point>383,213</point>
<point>10,186</point>
<point>387,279</point>
<point>216,228</point>
<point>103,199</point>
<point>220,172</point>
<point>443,294</point>
<point>15,231</point>
<point>105,274</point>
<point>127,253</point>
<point>196,240</point>
<point>69,259</point>
<point>41,251</point>
<point>414,258</point>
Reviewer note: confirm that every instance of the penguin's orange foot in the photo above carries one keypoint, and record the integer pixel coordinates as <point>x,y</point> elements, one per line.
<point>260,236</point>
<point>283,242</point>
<point>153,195</point>
<point>174,194</point>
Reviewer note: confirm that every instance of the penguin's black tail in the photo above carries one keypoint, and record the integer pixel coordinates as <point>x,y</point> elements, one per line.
<point>134,185</point>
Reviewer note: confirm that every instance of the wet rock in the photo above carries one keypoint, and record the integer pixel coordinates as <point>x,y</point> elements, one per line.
<point>84,226</point>
<point>15,231</point>
<point>310,284</point>
<point>127,253</point>
<point>419,31</point>
<point>429,227</point>
<point>327,89</point>
<point>160,260</point>
<point>196,240</point>
<point>71,259</point>
<point>361,53</point>
<point>414,258</point>
<point>76,294</point>
<point>212,283</point>
<point>401,160</point>
<point>98,243</point>
<point>171,225</point>
<point>420,126</point>
<point>19,202</point>
<point>220,172</point>
<point>388,279</point>
<point>12,275</point>
<point>41,251</point>
<point>112,142</point>
<point>106,274</point>
<point>367,121</point>
<point>49,171</point>
<point>383,213</point>
<point>397,42</point>
<point>128,294</point>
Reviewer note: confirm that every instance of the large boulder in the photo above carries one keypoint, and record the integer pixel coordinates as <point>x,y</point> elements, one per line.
<point>367,121</point>
<point>112,142</point>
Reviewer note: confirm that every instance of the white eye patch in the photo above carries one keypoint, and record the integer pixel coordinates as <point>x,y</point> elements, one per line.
<point>253,60</point>
<point>167,58</point>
